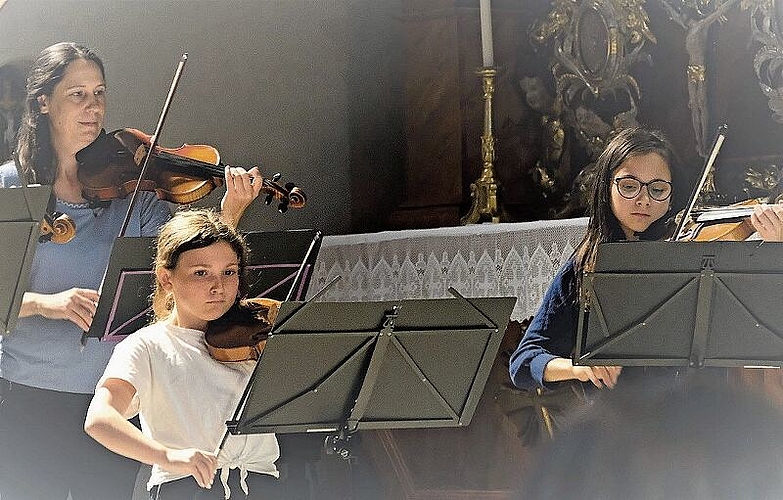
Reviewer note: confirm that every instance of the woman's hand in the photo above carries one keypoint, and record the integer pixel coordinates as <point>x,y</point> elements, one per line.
<point>768,221</point>
<point>242,187</point>
<point>199,464</point>
<point>76,305</point>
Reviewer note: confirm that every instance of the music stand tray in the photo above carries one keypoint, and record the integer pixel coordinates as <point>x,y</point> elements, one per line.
<point>347,366</point>
<point>21,212</point>
<point>280,267</point>
<point>683,304</point>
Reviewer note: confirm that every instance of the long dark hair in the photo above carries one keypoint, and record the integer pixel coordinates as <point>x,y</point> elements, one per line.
<point>34,148</point>
<point>603,226</point>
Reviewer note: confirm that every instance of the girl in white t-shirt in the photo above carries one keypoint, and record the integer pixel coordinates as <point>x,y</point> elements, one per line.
<point>165,374</point>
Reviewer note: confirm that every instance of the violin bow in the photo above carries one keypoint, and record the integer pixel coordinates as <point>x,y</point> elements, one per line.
<point>153,143</point>
<point>154,140</point>
<point>708,165</point>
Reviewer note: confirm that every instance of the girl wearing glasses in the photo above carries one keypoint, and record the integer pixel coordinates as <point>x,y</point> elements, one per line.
<point>630,197</point>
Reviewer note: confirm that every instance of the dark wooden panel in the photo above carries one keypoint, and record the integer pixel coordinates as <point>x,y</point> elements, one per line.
<point>482,461</point>
<point>432,112</point>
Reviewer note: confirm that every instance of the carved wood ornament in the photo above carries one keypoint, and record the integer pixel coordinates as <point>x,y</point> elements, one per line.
<point>595,44</point>
<point>766,18</point>
<point>767,25</point>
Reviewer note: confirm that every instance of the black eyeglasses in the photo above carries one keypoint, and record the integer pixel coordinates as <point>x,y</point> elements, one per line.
<point>629,188</point>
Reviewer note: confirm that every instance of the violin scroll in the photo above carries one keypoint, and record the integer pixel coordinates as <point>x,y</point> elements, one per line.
<point>57,227</point>
<point>288,196</point>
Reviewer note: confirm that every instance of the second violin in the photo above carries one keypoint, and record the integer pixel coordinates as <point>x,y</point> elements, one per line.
<point>241,333</point>
<point>109,168</point>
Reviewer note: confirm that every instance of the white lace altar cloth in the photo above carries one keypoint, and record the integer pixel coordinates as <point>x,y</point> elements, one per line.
<point>483,260</point>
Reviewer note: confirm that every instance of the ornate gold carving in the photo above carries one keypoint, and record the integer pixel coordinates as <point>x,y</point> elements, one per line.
<point>595,43</point>
<point>633,19</point>
<point>763,182</point>
<point>764,178</point>
<point>696,73</point>
<point>767,24</point>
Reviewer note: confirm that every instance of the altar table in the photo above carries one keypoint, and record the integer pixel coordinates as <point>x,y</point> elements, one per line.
<point>482,260</point>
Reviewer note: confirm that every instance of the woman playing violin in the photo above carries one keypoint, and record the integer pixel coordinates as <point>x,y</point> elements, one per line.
<point>164,372</point>
<point>48,376</point>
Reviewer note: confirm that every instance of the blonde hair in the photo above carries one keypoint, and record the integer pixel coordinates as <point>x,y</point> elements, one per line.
<point>189,230</point>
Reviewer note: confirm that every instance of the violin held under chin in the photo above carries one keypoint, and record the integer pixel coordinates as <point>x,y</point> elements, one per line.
<point>109,168</point>
<point>241,333</point>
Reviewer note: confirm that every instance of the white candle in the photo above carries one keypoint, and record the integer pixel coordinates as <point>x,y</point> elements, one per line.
<point>486,33</point>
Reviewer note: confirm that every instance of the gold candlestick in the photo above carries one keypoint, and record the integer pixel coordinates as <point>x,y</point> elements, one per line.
<point>484,192</point>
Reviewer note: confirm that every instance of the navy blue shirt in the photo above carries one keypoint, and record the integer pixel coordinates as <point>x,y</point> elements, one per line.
<point>551,334</point>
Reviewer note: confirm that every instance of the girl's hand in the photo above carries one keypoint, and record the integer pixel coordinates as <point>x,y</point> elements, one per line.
<point>600,376</point>
<point>76,305</point>
<point>563,369</point>
<point>199,464</point>
<point>768,221</point>
<point>242,187</point>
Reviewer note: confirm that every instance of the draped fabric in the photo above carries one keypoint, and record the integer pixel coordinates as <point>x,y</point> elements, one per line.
<point>484,260</point>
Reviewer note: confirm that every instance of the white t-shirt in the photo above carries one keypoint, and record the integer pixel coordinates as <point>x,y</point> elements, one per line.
<point>184,398</point>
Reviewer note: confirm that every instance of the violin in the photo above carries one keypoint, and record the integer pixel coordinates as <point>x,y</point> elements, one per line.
<point>241,333</point>
<point>109,168</point>
<point>731,223</point>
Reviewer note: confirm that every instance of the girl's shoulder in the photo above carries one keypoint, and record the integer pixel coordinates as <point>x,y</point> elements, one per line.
<point>145,336</point>
<point>567,271</point>
<point>563,284</point>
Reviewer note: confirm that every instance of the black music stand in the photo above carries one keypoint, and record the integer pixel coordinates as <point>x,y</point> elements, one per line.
<point>281,265</point>
<point>683,304</point>
<point>340,367</point>
<point>21,212</point>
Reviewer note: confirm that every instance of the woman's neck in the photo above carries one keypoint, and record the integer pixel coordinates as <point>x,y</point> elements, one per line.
<point>67,186</point>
